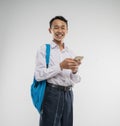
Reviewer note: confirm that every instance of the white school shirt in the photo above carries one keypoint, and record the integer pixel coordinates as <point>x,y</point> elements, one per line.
<point>53,73</point>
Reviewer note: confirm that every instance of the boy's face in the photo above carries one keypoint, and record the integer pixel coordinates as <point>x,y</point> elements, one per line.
<point>58,30</point>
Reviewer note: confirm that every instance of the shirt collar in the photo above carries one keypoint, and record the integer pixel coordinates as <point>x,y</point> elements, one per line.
<point>54,45</point>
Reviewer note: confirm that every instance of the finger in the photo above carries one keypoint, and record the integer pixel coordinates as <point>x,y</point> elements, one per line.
<point>79,62</point>
<point>73,64</point>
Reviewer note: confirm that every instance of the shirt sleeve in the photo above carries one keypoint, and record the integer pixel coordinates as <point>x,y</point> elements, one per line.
<point>41,72</point>
<point>75,77</point>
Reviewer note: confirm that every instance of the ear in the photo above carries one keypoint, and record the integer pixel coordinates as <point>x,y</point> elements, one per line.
<point>49,30</point>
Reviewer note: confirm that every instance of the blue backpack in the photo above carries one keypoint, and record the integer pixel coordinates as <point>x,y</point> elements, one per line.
<point>38,87</point>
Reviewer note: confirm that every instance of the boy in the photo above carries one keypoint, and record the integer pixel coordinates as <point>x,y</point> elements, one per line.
<point>61,75</point>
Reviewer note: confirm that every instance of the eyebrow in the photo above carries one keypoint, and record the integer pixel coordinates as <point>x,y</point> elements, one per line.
<point>59,26</point>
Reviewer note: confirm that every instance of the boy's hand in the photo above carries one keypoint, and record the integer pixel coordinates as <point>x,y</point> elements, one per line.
<point>70,63</point>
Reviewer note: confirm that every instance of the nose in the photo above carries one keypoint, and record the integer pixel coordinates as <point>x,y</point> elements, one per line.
<point>60,29</point>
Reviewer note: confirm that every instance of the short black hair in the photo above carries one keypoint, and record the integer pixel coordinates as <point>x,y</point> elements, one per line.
<point>60,18</point>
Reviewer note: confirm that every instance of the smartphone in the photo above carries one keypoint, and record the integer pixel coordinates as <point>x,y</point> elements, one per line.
<point>78,58</point>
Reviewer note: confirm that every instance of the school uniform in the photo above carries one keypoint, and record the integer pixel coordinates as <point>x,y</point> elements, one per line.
<point>57,108</point>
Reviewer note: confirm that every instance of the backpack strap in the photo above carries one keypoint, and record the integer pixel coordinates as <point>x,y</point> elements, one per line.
<point>47,54</point>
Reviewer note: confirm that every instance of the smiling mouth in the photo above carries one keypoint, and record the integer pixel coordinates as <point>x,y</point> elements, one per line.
<point>59,35</point>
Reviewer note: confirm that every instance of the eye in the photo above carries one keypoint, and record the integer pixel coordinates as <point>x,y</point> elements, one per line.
<point>56,28</point>
<point>63,28</point>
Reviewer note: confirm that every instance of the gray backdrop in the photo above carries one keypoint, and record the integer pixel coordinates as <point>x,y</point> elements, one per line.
<point>94,32</point>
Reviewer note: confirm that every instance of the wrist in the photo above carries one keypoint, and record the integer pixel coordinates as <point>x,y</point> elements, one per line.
<point>61,67</point>
<point>74,72</point>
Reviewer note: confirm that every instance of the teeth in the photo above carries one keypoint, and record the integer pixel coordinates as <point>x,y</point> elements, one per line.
<point>59,35</point>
